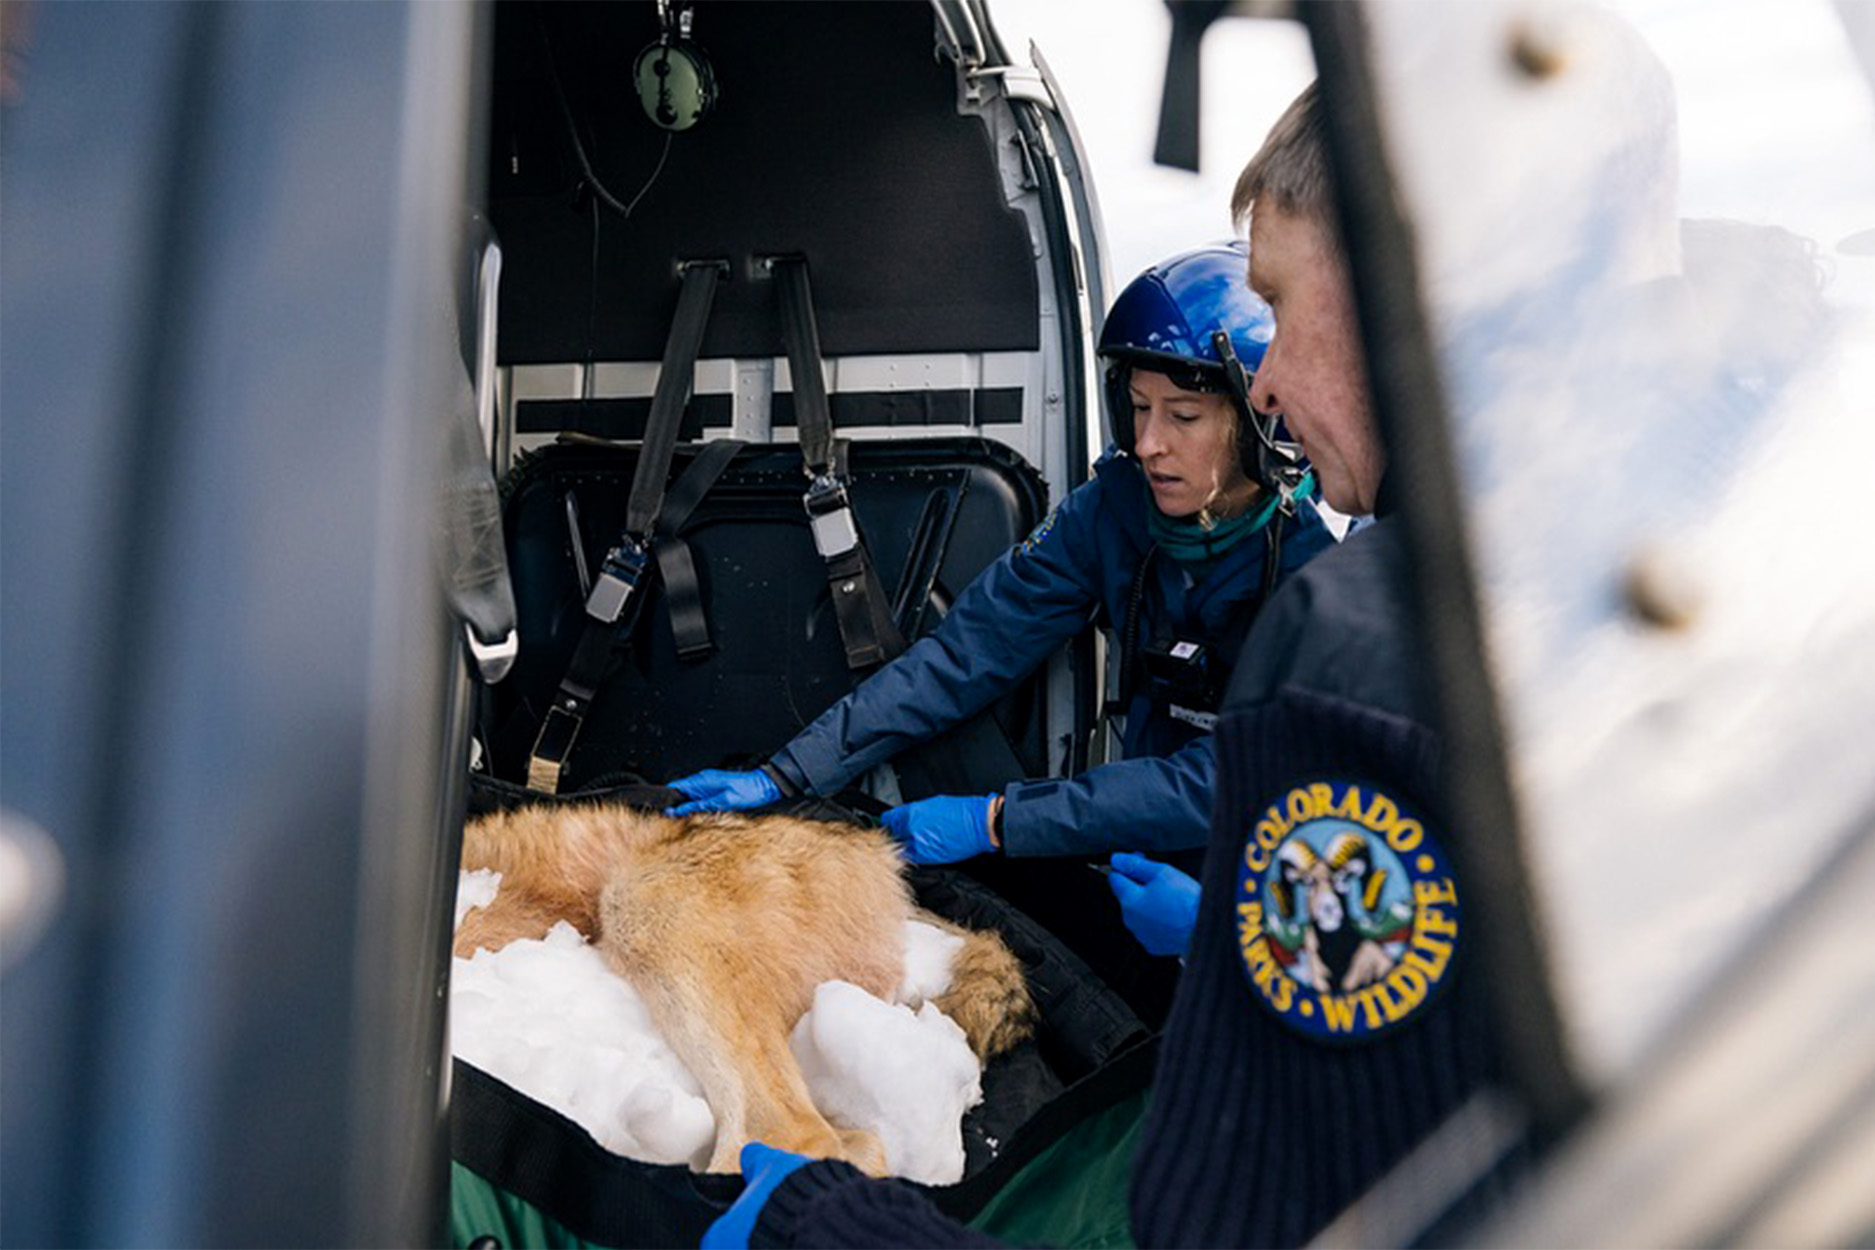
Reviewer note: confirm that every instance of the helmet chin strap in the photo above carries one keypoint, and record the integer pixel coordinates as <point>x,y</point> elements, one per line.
<point>1279,467</point>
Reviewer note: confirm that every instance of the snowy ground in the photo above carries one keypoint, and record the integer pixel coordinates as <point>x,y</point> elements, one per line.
<point>549,1019</point>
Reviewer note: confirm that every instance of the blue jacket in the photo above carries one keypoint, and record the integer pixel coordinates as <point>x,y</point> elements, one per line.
<point>1077,566</point>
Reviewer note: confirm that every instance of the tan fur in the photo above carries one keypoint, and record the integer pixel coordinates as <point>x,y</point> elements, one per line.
<point>988,996</point>
<point>725,924</point>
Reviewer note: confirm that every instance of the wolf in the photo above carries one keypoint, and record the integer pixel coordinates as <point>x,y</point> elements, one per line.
<point>724,924</point>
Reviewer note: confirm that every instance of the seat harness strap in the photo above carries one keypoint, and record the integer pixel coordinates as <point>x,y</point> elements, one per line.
<point>625,565</point>
<point>677,567</point>
<point>859,601</point>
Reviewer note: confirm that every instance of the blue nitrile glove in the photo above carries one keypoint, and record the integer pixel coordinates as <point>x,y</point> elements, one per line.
<point>944,829</point>
<point>719,790</point>
<point>1158,902</point>
<point>763,1168</point>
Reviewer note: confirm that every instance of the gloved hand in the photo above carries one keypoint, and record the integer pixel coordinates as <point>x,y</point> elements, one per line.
<point>763,1168</point>
<point>719,790</point>
<point>1158,902</point>
<point>944,829</point>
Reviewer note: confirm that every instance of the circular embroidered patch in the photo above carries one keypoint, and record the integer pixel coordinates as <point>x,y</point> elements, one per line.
<point>1347,911</point>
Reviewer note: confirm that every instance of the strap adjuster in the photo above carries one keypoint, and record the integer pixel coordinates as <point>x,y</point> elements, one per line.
<point>554,743</point>
<point>623,568</point>
<point>831,515</point>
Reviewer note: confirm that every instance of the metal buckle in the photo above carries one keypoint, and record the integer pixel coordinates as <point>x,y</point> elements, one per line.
<point>618,577</point>
<point>831,514</point>
<point>1293,482</point>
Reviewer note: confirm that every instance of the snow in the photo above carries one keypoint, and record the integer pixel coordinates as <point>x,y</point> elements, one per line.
<point>909,1077</point>
<point>551,1020</point>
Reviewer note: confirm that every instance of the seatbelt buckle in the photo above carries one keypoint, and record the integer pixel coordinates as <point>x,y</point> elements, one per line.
<point>831,514</point>
<point>623,568</point>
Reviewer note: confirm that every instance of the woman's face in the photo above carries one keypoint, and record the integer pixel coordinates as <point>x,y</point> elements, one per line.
<point>1185,441</point>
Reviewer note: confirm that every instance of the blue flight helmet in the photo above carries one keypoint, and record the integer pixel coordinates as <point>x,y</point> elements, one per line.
<point>1195,319</point>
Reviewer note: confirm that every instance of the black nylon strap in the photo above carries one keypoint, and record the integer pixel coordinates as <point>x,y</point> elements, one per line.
<point>696,481</point>
<point>859,604</point>
<point>1129,632</point>
<point>560,727</point>
<point>813,417</point>
<point>683,594</point>
<point>677,567</point>
<point>675,377</point>
<point>859,607</point>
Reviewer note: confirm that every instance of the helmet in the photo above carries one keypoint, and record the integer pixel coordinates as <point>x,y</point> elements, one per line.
<point>1194,318</point>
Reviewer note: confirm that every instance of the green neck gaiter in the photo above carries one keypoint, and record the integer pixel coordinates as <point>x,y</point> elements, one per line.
<point>1190,543</point>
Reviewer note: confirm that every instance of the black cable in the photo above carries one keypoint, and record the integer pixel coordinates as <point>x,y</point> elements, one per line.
<point>592,298</point>
<point>590,179</point>
<point>579,149</point>
<point>1272,557</point>
<point>1129,632</point>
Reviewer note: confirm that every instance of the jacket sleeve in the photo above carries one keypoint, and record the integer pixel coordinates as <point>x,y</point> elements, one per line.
<point>1007,622</point>
<point>1151,804</point>
<point>831,1204</point>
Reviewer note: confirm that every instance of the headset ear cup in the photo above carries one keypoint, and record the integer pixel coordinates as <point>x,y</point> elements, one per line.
<point>676,83</point>
<point>706,80</point>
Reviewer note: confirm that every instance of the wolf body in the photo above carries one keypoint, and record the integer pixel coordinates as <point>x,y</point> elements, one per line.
<point>725,924</point>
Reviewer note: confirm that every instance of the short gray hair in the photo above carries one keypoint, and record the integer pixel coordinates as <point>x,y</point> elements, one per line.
<point>1291,170</point>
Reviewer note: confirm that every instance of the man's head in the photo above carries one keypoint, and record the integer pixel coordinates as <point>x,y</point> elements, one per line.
<point>1312,372</point>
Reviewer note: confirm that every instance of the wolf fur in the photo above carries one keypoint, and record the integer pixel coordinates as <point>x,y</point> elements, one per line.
<point>725,924</point>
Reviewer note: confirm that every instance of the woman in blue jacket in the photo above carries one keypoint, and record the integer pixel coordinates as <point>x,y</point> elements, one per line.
<point>1192,516</point>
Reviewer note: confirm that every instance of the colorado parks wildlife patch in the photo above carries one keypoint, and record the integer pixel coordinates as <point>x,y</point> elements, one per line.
<point>1347,910</point>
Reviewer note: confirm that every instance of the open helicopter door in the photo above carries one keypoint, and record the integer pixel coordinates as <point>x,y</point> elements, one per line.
<point>231,237</point>
<point>1620,340</point>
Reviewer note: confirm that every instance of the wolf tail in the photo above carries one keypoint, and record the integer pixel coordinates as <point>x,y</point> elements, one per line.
<point>989,995</point>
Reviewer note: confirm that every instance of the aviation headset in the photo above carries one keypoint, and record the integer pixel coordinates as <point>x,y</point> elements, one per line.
<point>676,84</point>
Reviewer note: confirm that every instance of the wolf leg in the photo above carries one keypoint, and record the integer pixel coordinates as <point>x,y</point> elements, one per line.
<point>512,915</point>
<point>739,1053</point>
<point>729,1021</point>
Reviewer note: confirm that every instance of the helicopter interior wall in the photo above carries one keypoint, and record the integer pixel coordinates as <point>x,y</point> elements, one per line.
<point>836,135</point>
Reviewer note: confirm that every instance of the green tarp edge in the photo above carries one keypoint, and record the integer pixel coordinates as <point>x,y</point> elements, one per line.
<point>1071,1195</point>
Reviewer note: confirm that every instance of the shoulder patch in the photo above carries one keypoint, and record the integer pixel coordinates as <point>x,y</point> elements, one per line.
<point>1040,533</point>
<point>1347,911</point>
